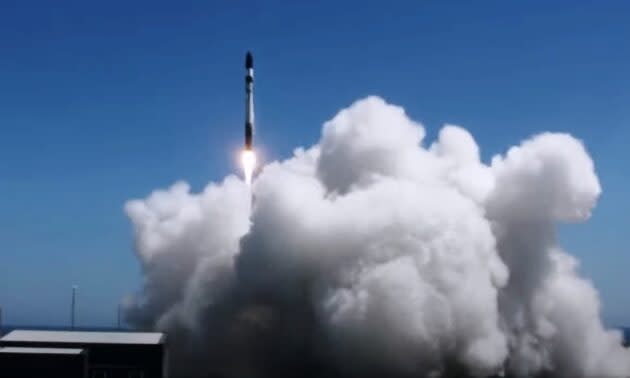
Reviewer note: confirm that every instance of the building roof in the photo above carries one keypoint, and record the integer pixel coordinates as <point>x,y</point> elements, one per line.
<point>72,337</point>
<point>19,350</point>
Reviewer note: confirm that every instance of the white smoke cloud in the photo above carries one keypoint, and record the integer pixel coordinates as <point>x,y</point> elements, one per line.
<point>371,255</point>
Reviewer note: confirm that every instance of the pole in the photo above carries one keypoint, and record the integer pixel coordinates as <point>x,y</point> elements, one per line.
<point>73,307</point>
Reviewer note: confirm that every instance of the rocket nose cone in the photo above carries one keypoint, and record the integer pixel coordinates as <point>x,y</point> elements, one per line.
<point>249,60</point>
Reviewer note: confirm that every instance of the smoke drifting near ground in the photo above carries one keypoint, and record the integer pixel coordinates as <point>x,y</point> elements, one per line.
<point>375,253</point>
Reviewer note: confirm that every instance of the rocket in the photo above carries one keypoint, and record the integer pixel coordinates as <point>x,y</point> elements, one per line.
<point>249,100</point>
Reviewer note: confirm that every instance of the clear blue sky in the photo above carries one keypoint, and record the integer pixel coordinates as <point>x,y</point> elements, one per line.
<point>101,102</point>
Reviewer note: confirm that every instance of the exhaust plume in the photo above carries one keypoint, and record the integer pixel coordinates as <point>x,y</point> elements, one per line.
<point>248,161</point>
<point>374,254</point>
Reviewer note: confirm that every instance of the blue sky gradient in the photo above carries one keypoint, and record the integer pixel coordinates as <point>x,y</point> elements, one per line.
<point>104,102</point>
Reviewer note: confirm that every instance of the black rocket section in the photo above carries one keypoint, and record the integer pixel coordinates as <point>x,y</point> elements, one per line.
<point>249,60</point>
<point>249,100</point>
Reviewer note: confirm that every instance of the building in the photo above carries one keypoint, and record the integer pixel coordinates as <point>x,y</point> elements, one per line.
<point>16,362</point>
<point>109,354</point>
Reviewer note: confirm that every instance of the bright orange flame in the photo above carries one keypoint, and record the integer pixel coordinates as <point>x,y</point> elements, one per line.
<point>248,159</point>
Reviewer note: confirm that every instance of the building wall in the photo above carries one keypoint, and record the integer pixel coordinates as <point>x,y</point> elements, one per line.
<point>114,360</point>
<point>23,365</point>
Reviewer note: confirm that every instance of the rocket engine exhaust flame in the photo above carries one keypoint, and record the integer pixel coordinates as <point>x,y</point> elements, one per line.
<point>248,161</point>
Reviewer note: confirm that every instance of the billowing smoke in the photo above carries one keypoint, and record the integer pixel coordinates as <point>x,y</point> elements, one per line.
<point>374,254</point>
